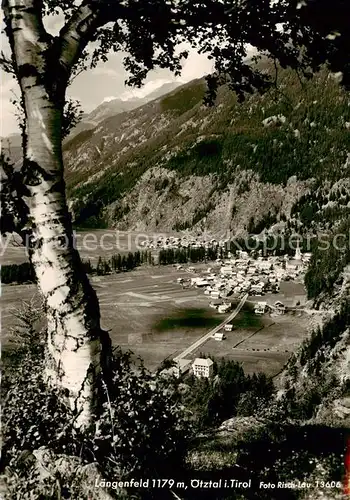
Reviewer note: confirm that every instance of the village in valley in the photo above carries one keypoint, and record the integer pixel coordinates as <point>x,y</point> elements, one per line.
<point>246,277</point>
<point>200,303</point>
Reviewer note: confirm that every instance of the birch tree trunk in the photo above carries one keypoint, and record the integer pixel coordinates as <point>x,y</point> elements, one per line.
<point>73,318</point>
<point>77,348</point>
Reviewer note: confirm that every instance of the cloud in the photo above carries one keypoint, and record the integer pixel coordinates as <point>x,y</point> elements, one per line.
<point>8,90</point>
<point>146,89</point>
<point>149,87</point>
<point>109,98</point>
<point>8,122</point>
<point>195,66</point>
<point>112,73</point>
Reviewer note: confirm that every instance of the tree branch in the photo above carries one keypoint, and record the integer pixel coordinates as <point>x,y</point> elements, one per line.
<point>81,28</point>
<point>6,64</point>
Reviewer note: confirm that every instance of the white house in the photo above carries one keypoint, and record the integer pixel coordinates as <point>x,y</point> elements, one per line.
<point>201,282</point>
<point>214,304</point>
<point>246,285</point>
<point>203,367</point>
<point>182,366</point>
<point>240,263</point>
<point>265,265</point>
<point>280,308</point>
<point>260,308</point>
<point>228,327</point>
<point>243,255</point>
<point>219,336</point>
<point>292,265</point>
<point>226,270</point>
<point>224,308</point>
<point>258,288</point>
<point>251,270</point>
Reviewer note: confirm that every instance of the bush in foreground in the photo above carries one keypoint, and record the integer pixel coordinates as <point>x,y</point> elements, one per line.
<point>140,427</point>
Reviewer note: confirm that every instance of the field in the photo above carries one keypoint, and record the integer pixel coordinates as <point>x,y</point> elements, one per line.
<point>260,344</point>
<point>146,311</point>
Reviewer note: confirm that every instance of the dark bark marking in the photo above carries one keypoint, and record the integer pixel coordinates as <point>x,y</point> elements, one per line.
<point>26,70</point>
<point>16,16</point>
<point>58,186</point>
<point>31,10</point>
<point>33,173</point>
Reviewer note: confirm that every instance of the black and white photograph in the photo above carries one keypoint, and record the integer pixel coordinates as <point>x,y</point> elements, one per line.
<point>175,249</point>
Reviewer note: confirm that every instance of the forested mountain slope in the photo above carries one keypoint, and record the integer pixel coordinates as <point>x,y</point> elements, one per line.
<point>175,163</point>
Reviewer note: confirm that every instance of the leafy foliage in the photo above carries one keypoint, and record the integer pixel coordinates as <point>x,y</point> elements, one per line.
<point>125,438</point>
<point>277,451</point>
<point>139,404</point>
<point>72,115</point>
<point>14,212</point>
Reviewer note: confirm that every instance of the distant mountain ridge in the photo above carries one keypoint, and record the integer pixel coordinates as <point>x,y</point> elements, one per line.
<point>12,144</point>
<point>116,106</point>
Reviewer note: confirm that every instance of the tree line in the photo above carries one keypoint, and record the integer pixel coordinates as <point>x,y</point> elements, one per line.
<point>18,273</point>
<point>119,263</point>
<point>24,273</point>
<point>327,264</point>
<point>183,255</point>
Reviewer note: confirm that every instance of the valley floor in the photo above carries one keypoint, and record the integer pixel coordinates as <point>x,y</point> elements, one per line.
<point>149,313</point>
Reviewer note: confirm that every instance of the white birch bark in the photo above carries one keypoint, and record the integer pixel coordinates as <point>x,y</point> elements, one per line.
<point>76,345</point>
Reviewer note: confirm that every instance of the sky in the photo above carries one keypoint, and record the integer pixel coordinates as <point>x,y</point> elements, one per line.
<point>104,82</point>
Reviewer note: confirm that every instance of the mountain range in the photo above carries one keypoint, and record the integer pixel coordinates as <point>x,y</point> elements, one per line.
<point>176,164</point>
<point>12,144</point>
<point>112,107</point>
